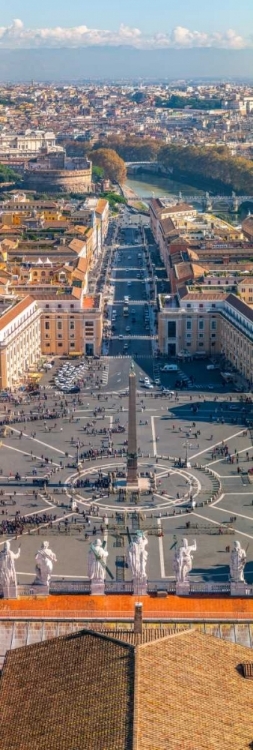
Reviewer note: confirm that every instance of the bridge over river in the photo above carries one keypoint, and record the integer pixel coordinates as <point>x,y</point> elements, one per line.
<point>207,201</point>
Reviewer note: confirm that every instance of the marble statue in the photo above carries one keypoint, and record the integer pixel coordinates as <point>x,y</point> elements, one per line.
<point>237,563</point>
<point>44,564</point>
<point>8,577</point>
<point>138,555</point>
<point>97,559</point>
<point>183,560</point>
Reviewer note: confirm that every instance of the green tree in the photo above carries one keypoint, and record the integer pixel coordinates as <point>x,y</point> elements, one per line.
<point>7,174</point>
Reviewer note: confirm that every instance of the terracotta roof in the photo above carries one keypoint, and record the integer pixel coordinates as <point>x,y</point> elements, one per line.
<point>77,245</point>
<point>179,208</point>
<point>10,315</point>
<point>68,693</point>
<point>101,205</point>
<point>82,265</point>
<point>183,270</point>
<point>162,689</point>
<point>245,281</point>
<point>91,302</point>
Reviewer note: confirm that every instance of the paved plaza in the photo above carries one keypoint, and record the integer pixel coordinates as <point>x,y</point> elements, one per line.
<point>169,431</point>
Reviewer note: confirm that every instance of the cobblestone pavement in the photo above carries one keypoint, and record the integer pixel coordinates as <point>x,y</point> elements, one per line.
<point>49,447</point>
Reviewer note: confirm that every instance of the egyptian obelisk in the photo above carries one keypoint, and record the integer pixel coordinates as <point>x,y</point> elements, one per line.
<point>132,476</point>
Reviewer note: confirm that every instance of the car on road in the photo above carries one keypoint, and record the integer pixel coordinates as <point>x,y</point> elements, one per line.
<point>128,329</point>
<point>169,368</point>
<point>157,381</point>
<point>126,298</point>
<point>148,385</point>
<point>120,336</point>
<point>126,345</point>
<point>129,283</point>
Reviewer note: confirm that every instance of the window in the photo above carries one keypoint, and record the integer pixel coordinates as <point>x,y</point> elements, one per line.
<point>188,305</point>
<point>59,325</point>
<point>59,343</point>
<point>58,306</point>
<point>72,344</point>
<point>201,325</point>
<point>213,325</point>
<point>188,325</point>
<point>201,305</point>
<point>72,325</point>
<point>188,335</point>
<point>201,335</point>
<point>172,329</point>
<point>47,325</point>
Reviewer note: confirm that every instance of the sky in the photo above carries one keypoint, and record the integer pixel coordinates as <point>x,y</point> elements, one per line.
<point>139,23</point>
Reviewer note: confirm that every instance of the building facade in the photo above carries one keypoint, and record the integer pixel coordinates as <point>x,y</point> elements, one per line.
<point>70,325</point>
<point>20,341</point>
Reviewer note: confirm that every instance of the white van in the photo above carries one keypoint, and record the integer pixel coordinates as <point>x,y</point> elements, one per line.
<point>169,368</point>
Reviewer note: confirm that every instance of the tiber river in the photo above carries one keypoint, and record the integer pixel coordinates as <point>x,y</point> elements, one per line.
<point>147,185</point>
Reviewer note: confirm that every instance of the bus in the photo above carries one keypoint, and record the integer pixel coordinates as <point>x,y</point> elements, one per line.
<point>125,311</point>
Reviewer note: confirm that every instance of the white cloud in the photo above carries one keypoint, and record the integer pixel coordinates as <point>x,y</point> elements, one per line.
<point>17,35</point>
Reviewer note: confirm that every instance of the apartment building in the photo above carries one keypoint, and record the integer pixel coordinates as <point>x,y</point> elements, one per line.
<point>189,322</point>
<point>160,211</point>
<point>20,340</point>
<point>194,323</point>
<point>70,323</point>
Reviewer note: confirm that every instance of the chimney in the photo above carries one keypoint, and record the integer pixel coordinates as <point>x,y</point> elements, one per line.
<point>138,618</point>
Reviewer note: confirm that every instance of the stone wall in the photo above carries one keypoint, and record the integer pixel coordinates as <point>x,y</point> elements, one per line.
<point>58,180</point>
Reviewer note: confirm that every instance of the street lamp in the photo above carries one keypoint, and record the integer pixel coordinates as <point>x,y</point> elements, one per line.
<point>187,445</point>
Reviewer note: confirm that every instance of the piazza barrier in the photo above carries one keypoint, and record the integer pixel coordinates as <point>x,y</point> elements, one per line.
<point>119,587</point>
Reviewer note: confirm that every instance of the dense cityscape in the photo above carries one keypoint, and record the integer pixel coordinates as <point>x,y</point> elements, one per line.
<point>126,415</point>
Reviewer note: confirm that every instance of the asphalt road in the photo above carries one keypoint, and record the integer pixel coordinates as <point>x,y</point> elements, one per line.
<point>130,280</point>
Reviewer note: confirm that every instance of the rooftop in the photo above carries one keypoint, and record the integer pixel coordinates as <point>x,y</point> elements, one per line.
<point>98,691</point>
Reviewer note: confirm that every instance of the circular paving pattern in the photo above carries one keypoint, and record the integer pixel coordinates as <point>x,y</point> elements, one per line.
<point>174,486</point>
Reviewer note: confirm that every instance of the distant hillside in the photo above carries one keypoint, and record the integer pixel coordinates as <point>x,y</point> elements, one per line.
<point>123,62</point>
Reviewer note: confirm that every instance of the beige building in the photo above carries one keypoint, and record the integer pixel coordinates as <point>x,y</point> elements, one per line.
<point>70,323</point>
<point>190,323</point>
<point>20,340</point>
<point>195,323</point>
<point>245,289</point>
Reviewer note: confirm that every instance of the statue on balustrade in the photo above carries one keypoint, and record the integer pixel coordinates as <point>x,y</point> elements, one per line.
<point>97,559</point>
<point>8,577</point>
<point>183,560</point>
<point>237,563</point>
<point>138,555</point>
<point>44,564</point>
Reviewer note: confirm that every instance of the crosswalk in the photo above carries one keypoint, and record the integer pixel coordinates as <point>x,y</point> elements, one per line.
<point>105,375</point>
